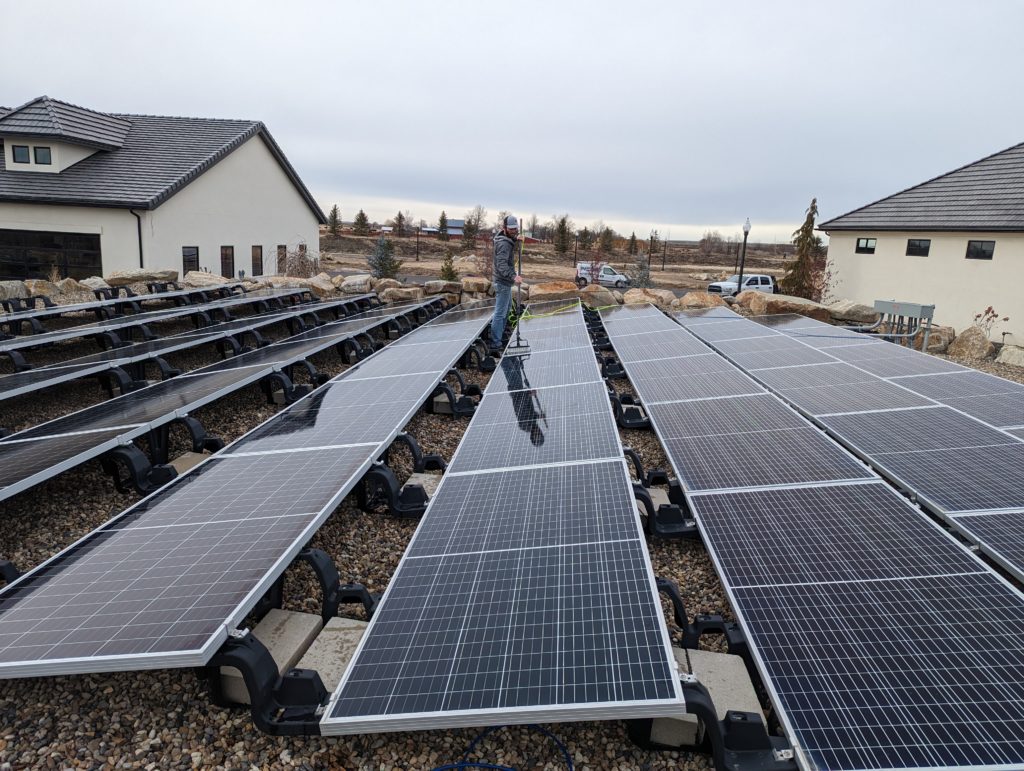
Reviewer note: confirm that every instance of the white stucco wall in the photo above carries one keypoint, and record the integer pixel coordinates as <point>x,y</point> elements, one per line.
<point>959,288</point>
<point>119,242</point>
<point>62,154</point>
<point>245,200</point>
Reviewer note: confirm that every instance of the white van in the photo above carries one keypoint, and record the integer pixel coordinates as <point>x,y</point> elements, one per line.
<point>606,275</point>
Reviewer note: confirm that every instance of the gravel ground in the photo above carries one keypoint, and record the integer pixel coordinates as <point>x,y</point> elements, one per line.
<point>164,719</point>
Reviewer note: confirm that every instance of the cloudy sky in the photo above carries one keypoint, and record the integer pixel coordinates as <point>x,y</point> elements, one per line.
<point>679,115</point>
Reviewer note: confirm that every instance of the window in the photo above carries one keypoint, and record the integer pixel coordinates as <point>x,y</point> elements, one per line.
<point>302,248</point>
<point>865,246</point>
<point>33,254</point>
<point>257,260</point>
<point>42,155</point>
<point>189,258</point>
<point>980,250</point>
<point>282,259</point>
<point>918,247</point>
<point>765,281</point>
<point>750,281</point>
<point>227,261</point>
<point>20,153</point>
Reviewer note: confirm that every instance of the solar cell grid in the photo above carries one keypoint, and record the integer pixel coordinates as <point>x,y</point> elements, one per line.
<point>21,460</point>
<point>994,409</point>
<point>895,361</point>
<point>783,321</point>
<point>813,375</point>
<point>857,397</point>
<point>702,316</point>
<point>711,417</point>
<point>510,510</point>
<point>655,345</point>
<point>966,479</point>
<point>827,341</point>
<point>1018,432</point>
<point>731,330</point>
<point>935,428</point>
<point>700,386</point>
<point>677,366</point>
<point>791,456</point>
<point>863,532</point>
<point>552,403</point>
<point>785,357</point>
<point>1001,535</point>
<point>869,678</point>
<point>545,368</point>
<point>960,384</point>
<point>765,343</point>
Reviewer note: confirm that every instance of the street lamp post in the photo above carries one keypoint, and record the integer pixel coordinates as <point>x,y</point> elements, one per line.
<point>743,255</point>
<point>418,243</point>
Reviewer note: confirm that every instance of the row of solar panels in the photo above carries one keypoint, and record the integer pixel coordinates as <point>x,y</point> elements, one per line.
<point>883,642</point>
<point>230,334</point>
<point>526,593</point>
<point>165,582</point>
<point>41,452</point>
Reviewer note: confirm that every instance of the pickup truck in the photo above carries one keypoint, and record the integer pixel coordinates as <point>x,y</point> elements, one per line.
<point>755,281</point>
<point>606,275</point>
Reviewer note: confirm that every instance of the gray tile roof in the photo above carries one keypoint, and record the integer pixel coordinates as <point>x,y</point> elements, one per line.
<point>53,119</point>
<point>159,156</point>
<point>986,195</point>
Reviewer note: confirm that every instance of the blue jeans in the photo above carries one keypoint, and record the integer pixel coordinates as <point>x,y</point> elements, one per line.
<point>502,299</point>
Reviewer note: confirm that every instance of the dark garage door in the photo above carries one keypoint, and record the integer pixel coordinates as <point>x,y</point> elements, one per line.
<point>34,253</point>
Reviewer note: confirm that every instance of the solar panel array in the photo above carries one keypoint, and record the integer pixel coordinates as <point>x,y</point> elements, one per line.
<point>527,592</point>
<point>883,642</point>
<point>38,453</point>
<point>164,583</point>
<point>940,431</point>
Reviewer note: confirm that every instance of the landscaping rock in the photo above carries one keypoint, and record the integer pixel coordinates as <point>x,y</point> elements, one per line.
<point>939,339</point>
<point>552,290</point>
<point>475,284</point>
<point>453,299</point>
<point>10,290</point>
<point>36,286</point>
<point>442,287</point>
<point>848,310</point>
<point>320,284</point>
<point>95,282</point>
<point>743,299</point>
<point>661,297</point>
<point>767,304</point>
<point>70,286</point>
<point>596,296</point>
<point>700,300</point>
<point>200,279</point>
<point>617,295</point>
<point>380,284</point>
<point>972,343</point>
<point>140,276</point>
<point>358,284</point>
<point>1011,354</point>
<point>391,294</point>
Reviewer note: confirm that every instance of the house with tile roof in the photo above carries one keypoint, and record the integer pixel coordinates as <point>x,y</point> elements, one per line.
<point>90,193</point>
<point>955,241</point>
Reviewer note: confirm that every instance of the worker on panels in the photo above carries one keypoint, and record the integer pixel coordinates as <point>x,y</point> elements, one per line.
<point>505,276</point>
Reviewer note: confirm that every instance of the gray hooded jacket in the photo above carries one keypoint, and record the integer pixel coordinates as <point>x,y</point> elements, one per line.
<point>504,259</point>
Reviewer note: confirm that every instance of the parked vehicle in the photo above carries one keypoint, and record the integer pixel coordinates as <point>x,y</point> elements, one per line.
<point>606,275</point>
<point>757,282</point>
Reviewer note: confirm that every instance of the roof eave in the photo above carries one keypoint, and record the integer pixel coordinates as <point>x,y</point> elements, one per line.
<point>59,138</point>
<point>919,228</point>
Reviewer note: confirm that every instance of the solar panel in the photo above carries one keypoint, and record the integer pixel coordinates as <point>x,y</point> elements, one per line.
<point>789,457</point>
<point>1000,535</point>
<point>711,385</point>
<point>915,673</point>
<point>1018,432</point>
<point>892,364</point>
<point>551,403</point>
<point>960,384</point>
<point>704,315</point>
<point>20,462</point>
<point>965,479</point>
<point>840,533</point>
<point>995,409</point>
<point>813,375</point>
<point>731,330</point>
<point>637,347</point>
<point>573,366</point>
<point>935,428</point>
<point>856,397</point>
<point>711,417</point>
<point>785,321</point>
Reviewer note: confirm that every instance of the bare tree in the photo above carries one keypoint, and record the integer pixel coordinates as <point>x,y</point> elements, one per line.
<point>531,225</point>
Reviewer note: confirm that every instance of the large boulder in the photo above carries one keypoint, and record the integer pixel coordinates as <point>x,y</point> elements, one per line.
<point>972,343</point>
<point>70,286</point>
<point>380,284</point>
<point>939,339</point>
<point>597,296</point>
<point>37,286</point>
<point>140,276</point>
<point>765,304</point>
<point>320,284</point>
<point>1011,354</point>
<point>661,297</point>
<point>10,290</point>
<point>700,300</point>
<point>95,282</point>
<point>848,310</point>
<point>453,299</point>
<point>442,287</point>
<point>396,293</point>
<point>745,298</point>
<point>200,279</point>
<point>358,284</point>
<point>617,295</point>
<point>552,290</point>
<point>476,284</point>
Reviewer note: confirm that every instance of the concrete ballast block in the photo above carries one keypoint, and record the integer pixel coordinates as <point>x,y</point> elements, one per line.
<point>286,634</point>
<point>429,482</point>
<point>333,649</point>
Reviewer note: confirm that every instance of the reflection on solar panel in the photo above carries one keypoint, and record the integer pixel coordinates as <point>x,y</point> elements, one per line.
<point>526,593</point>
<point>164,583</point>
<point>704,316</point>
<point>859,609</point>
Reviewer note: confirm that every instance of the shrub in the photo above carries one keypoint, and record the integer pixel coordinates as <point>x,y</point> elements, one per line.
<point>382,261</point>
<point>448,272</point>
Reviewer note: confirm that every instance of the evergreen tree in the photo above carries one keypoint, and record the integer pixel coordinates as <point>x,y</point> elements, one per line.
<point>655,242</point>
<point>399,224</point>
<point>804,275</point>
<point>640,272</point>
<point>563,237</point>
<point>382,260</point>
<point>334,221</point>
<point>631,248</point>
<point>607,241</point>
<point>586,238</point>
<point>442,227</point>
<point>448,272</point>
<point>474,222</point>
<point>361,226</point>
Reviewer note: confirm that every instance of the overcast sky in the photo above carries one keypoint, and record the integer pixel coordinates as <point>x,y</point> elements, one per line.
<point>677,115</point>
